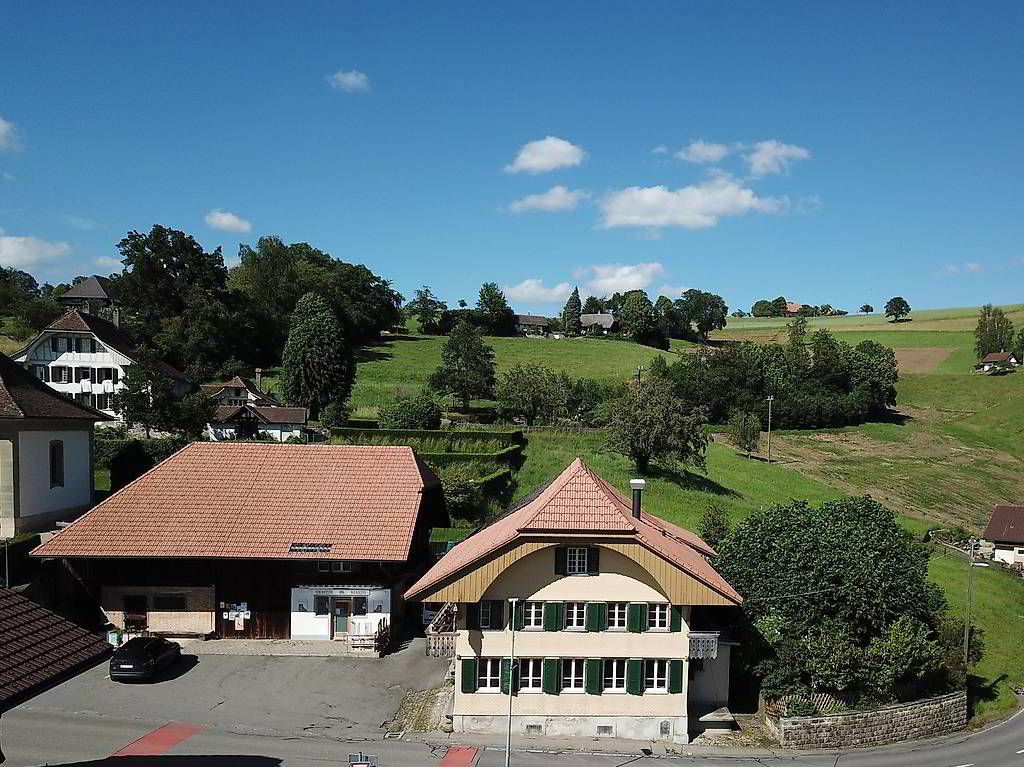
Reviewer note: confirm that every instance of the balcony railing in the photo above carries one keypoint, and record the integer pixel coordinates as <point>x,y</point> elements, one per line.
<point>704,645</point>
<point>441,633</point>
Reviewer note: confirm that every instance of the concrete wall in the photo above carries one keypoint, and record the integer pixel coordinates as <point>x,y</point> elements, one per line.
<point>891,724</point>
<point>37,497</point>
<point>1008,553</point>
<point>199,617</point>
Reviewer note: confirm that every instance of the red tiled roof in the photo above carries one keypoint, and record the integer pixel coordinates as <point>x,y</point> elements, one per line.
<point>256,501</point>
<point>792,307</point>
<point>579,501</point>
<point>267,414</point>
<point>1006,525</point>
<point>22,395</point>
<point>997,357</point>
<point>240,382</point>
<point>38,648</point>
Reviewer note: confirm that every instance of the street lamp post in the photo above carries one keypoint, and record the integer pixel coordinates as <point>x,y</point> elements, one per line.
<point>511,678</point>
<point>771,399</point>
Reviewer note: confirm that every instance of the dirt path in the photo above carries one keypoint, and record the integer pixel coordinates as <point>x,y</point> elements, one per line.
<point>923,359</point>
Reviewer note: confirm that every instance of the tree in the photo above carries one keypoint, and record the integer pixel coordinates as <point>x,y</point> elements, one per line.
<point>705,311</point>
<point>532,392</point>
<point>897,308</point>
<point>318,363</point>
<point>745,431</point>
<point>670,319</point>
<point>571,324</point>
<point>866,309</point>
<point>715,526</point>
<point>647,424</point>
<point>427,309</point>
<point>779,306</point>
<point>498,317</point>
<point>593,305</point>
<point>994,332</point>
<point>418,412</point>
<point>147,398</point>
<point>467,366</point>
<point>796,331</point>
<point>762,308</point>
<point>637,319</point>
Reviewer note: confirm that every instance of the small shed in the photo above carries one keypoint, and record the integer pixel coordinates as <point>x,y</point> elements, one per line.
<point>1005,531</point>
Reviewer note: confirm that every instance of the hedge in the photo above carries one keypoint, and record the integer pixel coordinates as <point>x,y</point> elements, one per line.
<point>396,435</point>
<point>509,455</point>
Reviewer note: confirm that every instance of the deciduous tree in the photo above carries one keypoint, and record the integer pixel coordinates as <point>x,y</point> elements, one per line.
<point>994,331</point>
<point>467,366</point>
<point>745,431</point>
<point>897,308</point>
<point>705,311</point>
<point>427,309</point>
<point>866,309</point>
<point>532,392</point>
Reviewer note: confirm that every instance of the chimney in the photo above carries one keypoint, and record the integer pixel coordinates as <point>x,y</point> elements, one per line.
<point>638,486</point>
<point>259,378</point>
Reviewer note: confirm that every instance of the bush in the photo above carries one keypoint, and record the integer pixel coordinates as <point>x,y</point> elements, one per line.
<point>134,457</point>
<point>419,412</point>
<point>334,414</point>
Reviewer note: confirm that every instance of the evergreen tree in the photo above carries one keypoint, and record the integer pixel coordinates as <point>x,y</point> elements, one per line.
<point>467,366</point>
<point>318,362</point>
<point>571,314</point>
<point>593,305</point>
<point>498,317</point>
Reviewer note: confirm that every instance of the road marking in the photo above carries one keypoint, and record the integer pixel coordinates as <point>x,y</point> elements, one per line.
<point>459,756</point>
<point>1021,751</point>
<point>160,740</point>
<point>970,764</point>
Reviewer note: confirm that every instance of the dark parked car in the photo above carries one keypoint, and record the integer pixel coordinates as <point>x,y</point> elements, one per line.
<point>143,658</point>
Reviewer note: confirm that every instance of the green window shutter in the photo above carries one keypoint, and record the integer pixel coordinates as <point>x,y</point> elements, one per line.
<point>593,558</point>
<point>675,676</point>
<point>506,675</point>
<point>518,618</point>
<point>561,558</point>
<point>676,618</point>
<point>469,674</point>
<point>592,678</point>
<point>473,616</point>
<point>597,616</point>
<point>552,676</point>
<point>553,616</point>
<point>497,614</point>
<point>636,617</point>
<point>635,676</point>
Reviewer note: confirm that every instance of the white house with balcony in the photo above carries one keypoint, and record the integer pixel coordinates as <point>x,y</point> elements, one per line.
<point>579,614</point>
<point>85,357</point>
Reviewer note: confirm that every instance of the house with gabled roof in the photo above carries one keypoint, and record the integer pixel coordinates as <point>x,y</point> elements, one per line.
<point>46,453</point>
<point>261,540</point>
<point>1005,534</point>
<point>85,357</point>
<point>582,614</point>
<point>245,411</point>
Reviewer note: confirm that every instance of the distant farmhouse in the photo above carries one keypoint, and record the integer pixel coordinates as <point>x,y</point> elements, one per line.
<point>531,324</point>
<point>244,411</point>
<point>1005,534</point>
<point>46,455</point>
<point>598,324</point>
<point>793,309</point>
<point>998,361</point>
<point>261,541</point>
<point>85,356</point>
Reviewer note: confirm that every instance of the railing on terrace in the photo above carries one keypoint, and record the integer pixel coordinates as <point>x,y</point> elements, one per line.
<point>441,632</point>
<point>704,644</point>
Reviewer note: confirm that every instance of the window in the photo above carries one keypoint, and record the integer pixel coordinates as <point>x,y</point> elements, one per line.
<point>322,605</point>
<point>617,615</point>
<point>488,676</point>
<point>56,463</point>
<point>78,344</point>
<point>576,561</point>
<point>92,345</point>
<point>657,617</point>
<point>575,615</point>
<point>69,344</point>
<point>170,602</point>
<point>572,674</point>
<point>615,674</point>
<point>533,615</point>
<point>102,402</point>
<point>53,344</point>
<point>485,614</point>
<point>61,374</point>
<point>656,675</point>
<point>531,674</point>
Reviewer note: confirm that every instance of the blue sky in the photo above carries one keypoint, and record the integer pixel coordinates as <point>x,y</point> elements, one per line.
<point>836,153</point>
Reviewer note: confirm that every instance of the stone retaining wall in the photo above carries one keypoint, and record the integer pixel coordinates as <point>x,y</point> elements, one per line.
<point>891,724</point>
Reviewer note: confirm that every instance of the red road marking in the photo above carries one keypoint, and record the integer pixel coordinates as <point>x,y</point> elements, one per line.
<point>159,740</point>
<point>459,756</point>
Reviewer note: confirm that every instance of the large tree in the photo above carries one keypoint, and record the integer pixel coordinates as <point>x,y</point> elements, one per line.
<point>571,314</point>
<point>497,316</point>
<point>866,309</point>
<point>705,311</point>
<point>593,305</point>
<point>427,309</point>
<point>897,307</point>
<point>637,319</point>
<point>467,366</point>
<point>994,331</point>
<point>647,424</point>
<point>318,362</point>
<point>532,392</point>
<point>149,401</point>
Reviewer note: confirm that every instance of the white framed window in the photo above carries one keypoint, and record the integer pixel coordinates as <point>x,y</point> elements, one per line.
<point>575,615</point>
<point>617,615</point>
<point>533,615</point>
<point>614,675</point>
<point>572,675</point>
<point>656,675</point>
<point>576,560</point>
<point>488,675</point>
<point>657,617</point>
<point>485,614</point>
<point>531,674</point>
<point>341,567</point>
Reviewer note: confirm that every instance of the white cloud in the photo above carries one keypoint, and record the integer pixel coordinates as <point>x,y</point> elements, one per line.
<point>809,204</point>
<point>108,261</point>
<point>229,222</point>
<point>702,152</point>
<point>672,291</point>
<point>773,157</point>
<point>9,141</point>
<point>533,291</point>
<point>21,252</point>
<point>968,267</point>
<point>557,198</point>
<point>660,149</point>
<point>605,279</point>
<point>693,207</point>
<point>546,154</point>
<point>80,222</point>
<point>350,81</point>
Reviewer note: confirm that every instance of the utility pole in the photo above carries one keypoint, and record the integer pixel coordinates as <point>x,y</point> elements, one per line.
<point>511,678</point>
<point>771,399</point>
<point>967,616</point>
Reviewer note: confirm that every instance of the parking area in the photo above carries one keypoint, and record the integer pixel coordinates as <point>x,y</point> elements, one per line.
<point>335,697</point>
